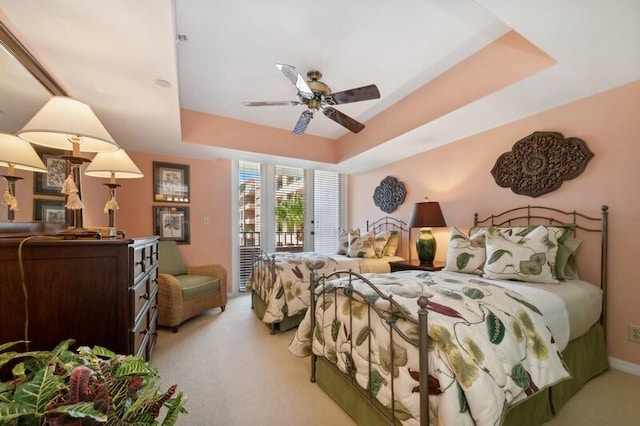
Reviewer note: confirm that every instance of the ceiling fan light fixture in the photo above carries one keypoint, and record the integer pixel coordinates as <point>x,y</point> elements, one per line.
<point>316,95</point>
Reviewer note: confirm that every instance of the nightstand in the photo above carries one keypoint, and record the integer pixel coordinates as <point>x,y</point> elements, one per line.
<point>415,265</point>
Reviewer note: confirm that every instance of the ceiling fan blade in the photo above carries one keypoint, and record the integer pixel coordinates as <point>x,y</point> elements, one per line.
<point>364,93</point>
<point>343,120</point>
<point>271,103</point>
<point>303,122</point>
<point>294,76</point>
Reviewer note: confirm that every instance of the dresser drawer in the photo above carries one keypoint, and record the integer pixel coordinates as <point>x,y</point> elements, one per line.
<point>139,299</point>
<point>144,258</point>
<point>139,334</point>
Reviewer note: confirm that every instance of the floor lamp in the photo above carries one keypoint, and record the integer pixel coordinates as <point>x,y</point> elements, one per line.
<point>112,165</point>
<point>67,124</point>
<point>16,153</point>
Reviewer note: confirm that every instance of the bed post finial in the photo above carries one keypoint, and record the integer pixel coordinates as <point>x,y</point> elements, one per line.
<point>475,219</point>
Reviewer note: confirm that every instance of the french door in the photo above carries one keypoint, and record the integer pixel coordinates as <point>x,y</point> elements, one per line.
<point>283,208</point>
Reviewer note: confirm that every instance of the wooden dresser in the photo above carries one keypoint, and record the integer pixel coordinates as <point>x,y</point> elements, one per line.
<point>98,292</point>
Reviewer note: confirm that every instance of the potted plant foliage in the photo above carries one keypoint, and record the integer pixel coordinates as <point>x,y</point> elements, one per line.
<point>93,386</point>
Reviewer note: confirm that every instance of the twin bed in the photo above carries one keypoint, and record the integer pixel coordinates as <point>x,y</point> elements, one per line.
<point>279,282</point>
<point>498,351</point>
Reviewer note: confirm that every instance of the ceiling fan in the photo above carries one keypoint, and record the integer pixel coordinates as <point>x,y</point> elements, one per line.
<point>317,96</point>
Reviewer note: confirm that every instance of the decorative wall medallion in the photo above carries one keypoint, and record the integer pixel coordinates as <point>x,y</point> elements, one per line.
<point>540,162</point>
<point>389,194</point>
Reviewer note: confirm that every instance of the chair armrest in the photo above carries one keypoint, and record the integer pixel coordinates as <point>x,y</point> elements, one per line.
<point>169,299</point>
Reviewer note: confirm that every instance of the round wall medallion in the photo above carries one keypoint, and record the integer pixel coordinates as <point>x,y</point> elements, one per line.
<point>389,194</point>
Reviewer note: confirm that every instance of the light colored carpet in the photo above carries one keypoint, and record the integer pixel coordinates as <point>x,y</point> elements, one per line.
<point>235,373</point>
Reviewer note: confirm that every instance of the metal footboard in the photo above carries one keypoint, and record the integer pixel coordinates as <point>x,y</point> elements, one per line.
<point>390,317</point>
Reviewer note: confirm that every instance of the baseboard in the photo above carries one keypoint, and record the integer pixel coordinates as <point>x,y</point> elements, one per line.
<point>625,366</point>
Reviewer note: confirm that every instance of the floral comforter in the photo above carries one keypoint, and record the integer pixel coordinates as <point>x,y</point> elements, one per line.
<point>489,347</point>
<point>289,294</point>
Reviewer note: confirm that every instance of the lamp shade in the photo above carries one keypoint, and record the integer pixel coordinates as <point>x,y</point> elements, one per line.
<point>19,154</point>
<point>116,164</point>
<point>64,121</point>
<point>427,214</point>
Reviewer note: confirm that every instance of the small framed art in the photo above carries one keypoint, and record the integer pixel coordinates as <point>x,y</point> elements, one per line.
<point>50,183</point>
<point>170,182</point>
<point>49,211</point>
<point>172,223</point>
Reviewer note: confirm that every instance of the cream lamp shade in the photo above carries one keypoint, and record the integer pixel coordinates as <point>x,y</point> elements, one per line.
<point>16,153</point>
<point>65,123</point>
<point>112,165</point>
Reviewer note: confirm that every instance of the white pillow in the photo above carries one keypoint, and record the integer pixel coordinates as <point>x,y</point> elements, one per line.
<point>362,246</point>
<point>465,254</point>
<point>525,259</point>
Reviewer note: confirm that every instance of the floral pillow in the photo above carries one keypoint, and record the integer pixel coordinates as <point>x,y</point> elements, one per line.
<point>525,258</point>
<point>465,254</point>
<point>361,246</point>
<point>556,235</point>
<point>392,245</point>
<point>343,241</point>
<point>380,242</point>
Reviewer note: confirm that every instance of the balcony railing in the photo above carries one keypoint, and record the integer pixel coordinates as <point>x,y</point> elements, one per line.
<point>285,240</point>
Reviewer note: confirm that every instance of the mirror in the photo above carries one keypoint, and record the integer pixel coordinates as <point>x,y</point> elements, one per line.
<point>25,86</point>
<point>24,83</point>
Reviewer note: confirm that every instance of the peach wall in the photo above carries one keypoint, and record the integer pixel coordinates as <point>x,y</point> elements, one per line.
<point>501,63</point>
<point>458,176</point>
<point>222,132</point>
<point>210,186</point>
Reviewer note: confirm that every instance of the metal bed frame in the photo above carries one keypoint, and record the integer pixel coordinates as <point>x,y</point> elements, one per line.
<point>266,262</point>
<point>528,215</point>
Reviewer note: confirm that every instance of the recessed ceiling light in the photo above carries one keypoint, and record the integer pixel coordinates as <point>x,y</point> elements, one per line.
<point>163,83</point>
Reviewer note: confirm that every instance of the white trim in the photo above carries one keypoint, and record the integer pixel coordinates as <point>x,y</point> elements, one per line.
<point>625,366</point>
<point>235,263</point>
<point>344,202</point>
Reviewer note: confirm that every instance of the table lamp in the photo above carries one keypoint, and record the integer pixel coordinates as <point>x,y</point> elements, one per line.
<point>425,215</point>
<point>67,124</point>
<point>16,153</point>
<point>112,165</point>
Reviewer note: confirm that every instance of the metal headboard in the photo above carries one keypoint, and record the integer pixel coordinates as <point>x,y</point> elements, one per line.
<point>538,215</point>
<point>389,223</point>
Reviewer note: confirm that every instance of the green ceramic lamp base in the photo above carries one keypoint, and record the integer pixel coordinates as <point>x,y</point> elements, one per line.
<point>426,246</point>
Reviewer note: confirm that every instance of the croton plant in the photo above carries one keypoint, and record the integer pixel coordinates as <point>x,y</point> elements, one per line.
<point>92,386</point>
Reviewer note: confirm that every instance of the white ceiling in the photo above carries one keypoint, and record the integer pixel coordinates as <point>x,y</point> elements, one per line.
<point>110,55</point>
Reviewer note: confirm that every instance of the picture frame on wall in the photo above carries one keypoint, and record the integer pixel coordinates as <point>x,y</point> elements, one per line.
<point>170,182</point>
<point>49,211</point>
<point>50,183</point>
<point>172,223</point>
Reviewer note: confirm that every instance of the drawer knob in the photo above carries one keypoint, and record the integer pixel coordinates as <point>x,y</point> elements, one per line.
<point>144,296</point>
<point>145,331</point>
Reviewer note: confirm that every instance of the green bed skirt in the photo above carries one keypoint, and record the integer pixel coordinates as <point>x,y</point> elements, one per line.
<point>287,323</point>
<point>585,357</point>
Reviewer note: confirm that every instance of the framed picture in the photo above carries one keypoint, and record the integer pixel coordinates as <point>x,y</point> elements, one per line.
<point>172,223</point>
<point>170,182</point>
<point>49,211</point>
<point>50,183</point>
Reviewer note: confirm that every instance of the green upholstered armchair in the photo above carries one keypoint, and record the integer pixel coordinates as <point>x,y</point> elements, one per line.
<point>186,291</point>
